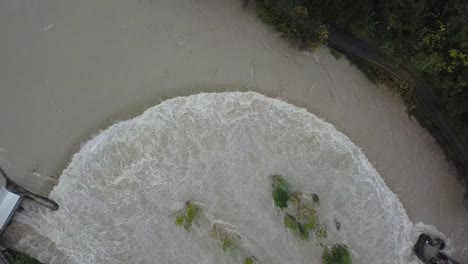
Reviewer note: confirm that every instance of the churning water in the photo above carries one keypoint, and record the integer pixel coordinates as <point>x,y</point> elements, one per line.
<point>119,194</point>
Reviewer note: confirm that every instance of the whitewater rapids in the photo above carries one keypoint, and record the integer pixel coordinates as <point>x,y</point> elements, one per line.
<point>119,194</point>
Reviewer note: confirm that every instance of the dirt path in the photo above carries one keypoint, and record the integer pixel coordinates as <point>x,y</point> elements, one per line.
<point>70,68</point>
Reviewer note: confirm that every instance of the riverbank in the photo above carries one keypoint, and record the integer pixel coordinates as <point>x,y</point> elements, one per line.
<point>418,94</point>
<point>413,77</point>
<point>73,68</point>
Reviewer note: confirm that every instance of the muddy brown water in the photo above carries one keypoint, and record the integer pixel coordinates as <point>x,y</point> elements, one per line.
<point>71,68</point>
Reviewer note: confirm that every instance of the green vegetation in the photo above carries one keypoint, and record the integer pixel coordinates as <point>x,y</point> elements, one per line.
<point>227,236</point>
<point>227,244</point>
<point>281,191</point>
<point>336,254</point>
<point>321,232</point>
<point>304,22</point>
<point>429,38</point>
<point>192,211</point>
<point>188,215</point>
<point>311,220</point>
<point>20,258</point>
<point>398,86</point>
<point>294,21</point>
<point>305,210</point>
<point>230,241</point>
<point>180,220</point>
<point>249,260</point>
<point>299,210</point>
<point>291,223</point>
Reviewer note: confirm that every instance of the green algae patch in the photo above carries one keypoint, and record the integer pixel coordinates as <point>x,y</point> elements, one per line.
<point>281,191</point>
<point>336,254</point>
<point>187,216</point>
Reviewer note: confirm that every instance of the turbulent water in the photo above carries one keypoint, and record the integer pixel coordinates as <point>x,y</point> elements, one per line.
<point>119,194</point>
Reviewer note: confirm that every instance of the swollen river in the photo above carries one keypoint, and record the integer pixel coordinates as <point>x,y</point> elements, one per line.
<point>120,193</point>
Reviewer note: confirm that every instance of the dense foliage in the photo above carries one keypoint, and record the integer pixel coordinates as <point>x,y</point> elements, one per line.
<point>188,215</point>
<point>431,37</point>
<point>336,254</point>
<point>427,37</point>
<point>281,191</point>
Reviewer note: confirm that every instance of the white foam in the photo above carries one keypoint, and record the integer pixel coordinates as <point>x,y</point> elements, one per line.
<point>119,193</point>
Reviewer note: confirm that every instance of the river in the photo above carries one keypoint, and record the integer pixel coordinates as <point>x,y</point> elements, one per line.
<point>71,68</point>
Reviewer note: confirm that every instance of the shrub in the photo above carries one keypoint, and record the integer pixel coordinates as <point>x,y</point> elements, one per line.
<point>20,258</point>
<point>322,33</point>
<point>291,223</point>
<point>188,215</point>
<point>336,254</point>
<point>305,211</point>
<point>301,10</point>
<point>426,37</point>
<point>192,211</point>
<point>281,191</point>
